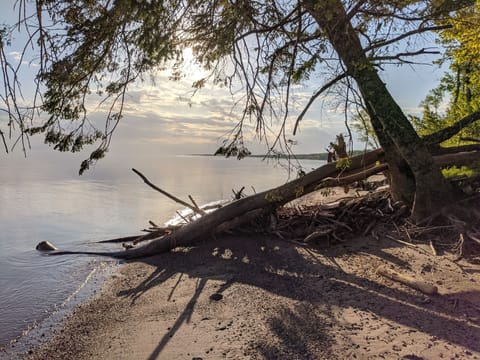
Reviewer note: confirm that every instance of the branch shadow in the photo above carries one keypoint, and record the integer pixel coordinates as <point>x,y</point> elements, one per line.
<point>288,325</point>
<point>184,317</point>
<point>308,277</point>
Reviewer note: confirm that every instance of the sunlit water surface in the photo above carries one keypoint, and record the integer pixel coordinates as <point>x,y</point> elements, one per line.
<point>75,212</point>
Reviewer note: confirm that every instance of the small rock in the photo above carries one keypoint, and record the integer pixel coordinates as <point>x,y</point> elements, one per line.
<point>216,297</point>
<point>45,246</point>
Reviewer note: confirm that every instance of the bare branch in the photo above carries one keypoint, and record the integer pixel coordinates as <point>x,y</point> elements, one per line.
<point>421,30</point>
<point>170,196</point>
<point>404,54</point>
<point>4,141</point>
<point>315,96</point>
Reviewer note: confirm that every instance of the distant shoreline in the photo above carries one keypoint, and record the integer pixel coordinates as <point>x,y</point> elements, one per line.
<point>314,156</point>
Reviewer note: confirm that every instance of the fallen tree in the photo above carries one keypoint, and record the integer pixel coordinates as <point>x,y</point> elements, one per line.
<point>241,211</point>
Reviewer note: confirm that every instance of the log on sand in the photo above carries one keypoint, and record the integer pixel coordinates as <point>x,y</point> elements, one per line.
<point>241,210</point>
<point>232,214</point>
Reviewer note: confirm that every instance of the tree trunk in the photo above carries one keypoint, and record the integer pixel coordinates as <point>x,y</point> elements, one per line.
<point>400,177</point>
<point>390,123</point>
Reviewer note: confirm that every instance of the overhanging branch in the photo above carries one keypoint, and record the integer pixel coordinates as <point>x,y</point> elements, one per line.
<point>380,44</point>
<point>315,96</point>
<point>447,133</point>
<point>399,56</point>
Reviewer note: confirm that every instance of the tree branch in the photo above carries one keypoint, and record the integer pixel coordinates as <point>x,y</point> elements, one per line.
<point>194,208</point>
<point>445,134</point>
<point>400,55</point>
<point>379,44</point>
<point>315,96</point>
<point>438,150</point>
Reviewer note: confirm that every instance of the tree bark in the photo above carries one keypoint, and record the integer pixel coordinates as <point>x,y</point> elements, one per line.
<point>390,123</point>
<point>400,177</point>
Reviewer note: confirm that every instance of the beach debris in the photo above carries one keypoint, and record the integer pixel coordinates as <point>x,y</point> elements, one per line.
<point>410,281</point>
<point>372,214</point>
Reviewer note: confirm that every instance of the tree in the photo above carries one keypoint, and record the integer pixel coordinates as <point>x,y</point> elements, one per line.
<point>86,46</point>
<point>460,86</point>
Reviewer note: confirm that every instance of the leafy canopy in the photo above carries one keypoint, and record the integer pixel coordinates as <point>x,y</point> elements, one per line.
<point>460,86</point>
<point>87,49</point>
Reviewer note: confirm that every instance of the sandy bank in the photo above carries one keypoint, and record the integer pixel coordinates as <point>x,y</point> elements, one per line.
<point>256,297</point>
<point>264,298</point>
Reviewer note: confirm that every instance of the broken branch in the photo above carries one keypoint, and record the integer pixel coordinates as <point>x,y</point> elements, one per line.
<point>421,285</point>
<point>170,196</point>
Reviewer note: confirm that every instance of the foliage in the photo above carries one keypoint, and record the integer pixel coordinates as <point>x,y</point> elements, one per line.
<point>362,125</point>
<point>89,50</point>
<point>232,149</point>
<point>460,87</point>
<point>343,164</point>
<point>454,171</point>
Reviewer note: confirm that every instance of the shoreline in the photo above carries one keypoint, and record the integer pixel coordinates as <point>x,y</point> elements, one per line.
<point>41,331</point>
<point>260,297</point>
<point>181,306</point>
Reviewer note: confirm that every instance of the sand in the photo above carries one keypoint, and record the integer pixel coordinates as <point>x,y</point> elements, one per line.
<point>259,297</point>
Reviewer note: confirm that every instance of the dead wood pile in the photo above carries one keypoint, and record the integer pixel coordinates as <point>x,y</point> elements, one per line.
<point>456,230</point>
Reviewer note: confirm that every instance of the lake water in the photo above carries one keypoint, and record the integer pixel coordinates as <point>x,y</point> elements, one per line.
<point>74,212</point>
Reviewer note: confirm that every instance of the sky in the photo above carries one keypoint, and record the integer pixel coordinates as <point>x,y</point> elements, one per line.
<point>162,118</point>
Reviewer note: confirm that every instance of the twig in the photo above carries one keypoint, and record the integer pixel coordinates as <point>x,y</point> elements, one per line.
<point>408,234</point>
<point>461,241</point>
<point>170,196</point>
<point>434,251</point>
<point>340,224</point>
<point>194,203</point>
<point>370,227</point>
<point>183,217</point>
<point>474,237</point>
<point>238,194</point>
<point>316,235</point>
<point>400,241</point>
<point>411,281</point>
<point>122,239</point>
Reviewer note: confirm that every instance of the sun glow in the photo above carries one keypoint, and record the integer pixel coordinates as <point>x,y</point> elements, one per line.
<point>191,68</point>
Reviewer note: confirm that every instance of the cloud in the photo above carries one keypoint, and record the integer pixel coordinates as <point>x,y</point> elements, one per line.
<point>164,114</point>
<point>17,56</point>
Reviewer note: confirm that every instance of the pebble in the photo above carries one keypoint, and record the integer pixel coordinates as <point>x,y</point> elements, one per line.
<point>216,297</point>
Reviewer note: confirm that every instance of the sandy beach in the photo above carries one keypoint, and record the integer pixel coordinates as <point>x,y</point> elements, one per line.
<point>260,297</point>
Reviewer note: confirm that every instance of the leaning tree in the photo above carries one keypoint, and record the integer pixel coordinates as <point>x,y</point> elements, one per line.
<point>85,47</point>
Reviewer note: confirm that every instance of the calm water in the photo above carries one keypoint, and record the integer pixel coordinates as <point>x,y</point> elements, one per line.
<point>74,212</point>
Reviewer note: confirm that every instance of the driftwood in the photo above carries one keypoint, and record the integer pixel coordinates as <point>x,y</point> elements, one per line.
<point>418,284</point>
<point>244,209</point>
<point>231,214</point>
<point>193,207</point>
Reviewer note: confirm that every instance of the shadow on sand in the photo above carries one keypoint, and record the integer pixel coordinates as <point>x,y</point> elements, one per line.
<point>317,283</point>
